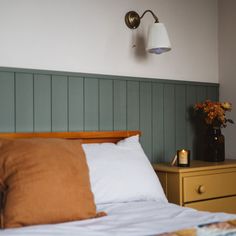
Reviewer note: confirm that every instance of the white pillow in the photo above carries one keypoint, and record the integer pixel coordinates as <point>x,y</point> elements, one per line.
<point>121,172</point>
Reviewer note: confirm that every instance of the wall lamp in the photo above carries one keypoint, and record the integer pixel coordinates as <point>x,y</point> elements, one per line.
<point>158,40</point>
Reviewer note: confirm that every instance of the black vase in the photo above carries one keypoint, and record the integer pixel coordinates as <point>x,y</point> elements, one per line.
<point>215,148</point>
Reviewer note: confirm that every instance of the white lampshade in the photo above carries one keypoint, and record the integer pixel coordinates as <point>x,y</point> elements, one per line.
<point>158,40</point>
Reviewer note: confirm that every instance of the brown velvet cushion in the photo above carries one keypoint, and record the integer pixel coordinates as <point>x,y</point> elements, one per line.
<point>45,181</point>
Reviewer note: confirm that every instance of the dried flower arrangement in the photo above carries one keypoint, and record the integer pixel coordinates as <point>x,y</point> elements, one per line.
<point>214,113</point>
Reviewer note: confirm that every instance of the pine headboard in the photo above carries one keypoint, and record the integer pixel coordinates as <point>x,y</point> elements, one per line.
<point>85,137</point>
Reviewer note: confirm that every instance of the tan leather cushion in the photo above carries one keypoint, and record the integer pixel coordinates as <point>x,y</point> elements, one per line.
<point>46,181</point>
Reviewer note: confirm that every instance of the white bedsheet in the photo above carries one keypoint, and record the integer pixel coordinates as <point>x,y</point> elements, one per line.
<point>129,219</point>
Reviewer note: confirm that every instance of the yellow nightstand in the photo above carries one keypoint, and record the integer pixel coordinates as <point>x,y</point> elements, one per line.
<point>204,186</point>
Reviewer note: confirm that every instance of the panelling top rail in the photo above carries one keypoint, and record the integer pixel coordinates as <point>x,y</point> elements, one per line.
<point>101,76</point>
<point>86,137</point>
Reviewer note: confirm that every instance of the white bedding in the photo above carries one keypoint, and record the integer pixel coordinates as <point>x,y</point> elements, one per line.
<point>129,219</point>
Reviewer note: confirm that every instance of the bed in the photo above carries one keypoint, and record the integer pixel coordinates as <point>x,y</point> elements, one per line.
<point>128,210</point>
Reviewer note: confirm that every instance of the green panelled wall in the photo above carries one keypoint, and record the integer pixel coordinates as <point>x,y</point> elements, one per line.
<point>37,101</point>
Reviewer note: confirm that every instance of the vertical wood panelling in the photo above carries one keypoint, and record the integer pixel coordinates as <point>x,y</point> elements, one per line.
<point>76,103</point>
<point>158,122</point>
<point>191,99</point>
<point>146,117</point>
<point>169,122</point>
<point>59,103</point>
<point>212,93</point>
<point>180,117</point>
<point>7,102</point>
<point>42,103</point>
<point>120,105</point>
<point>133,105</point>
<point>163,110</point>
<point>91,104</point>
<point>200,130</point>
<point>201,93</point>
<point>24,111</point>
<point>106,105</point>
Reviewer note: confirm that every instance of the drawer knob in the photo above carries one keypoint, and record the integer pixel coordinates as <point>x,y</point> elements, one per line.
<point>201,189</point>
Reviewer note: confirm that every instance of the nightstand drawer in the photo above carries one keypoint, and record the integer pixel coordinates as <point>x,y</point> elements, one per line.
<point>209,186</point>
<point>227,204</point>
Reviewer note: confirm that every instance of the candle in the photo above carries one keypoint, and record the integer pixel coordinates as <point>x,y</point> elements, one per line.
<point>183,159</point>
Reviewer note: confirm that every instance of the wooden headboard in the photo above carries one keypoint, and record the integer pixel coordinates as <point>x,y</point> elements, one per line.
<point>86,137</point>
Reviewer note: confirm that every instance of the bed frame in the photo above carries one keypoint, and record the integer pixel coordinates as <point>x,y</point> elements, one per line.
<point>85,137</point>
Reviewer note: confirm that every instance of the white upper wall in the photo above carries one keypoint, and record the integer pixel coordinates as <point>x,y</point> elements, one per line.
<point>90,36</point>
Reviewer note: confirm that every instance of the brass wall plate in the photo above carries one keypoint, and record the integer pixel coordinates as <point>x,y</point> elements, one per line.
<point>132,19</point>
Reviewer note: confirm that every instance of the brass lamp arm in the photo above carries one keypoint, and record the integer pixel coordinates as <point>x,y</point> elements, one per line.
<point>154,16</point>
<point>132,18</point>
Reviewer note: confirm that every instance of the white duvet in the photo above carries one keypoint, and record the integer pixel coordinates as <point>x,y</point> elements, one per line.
<point>133,218</point>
